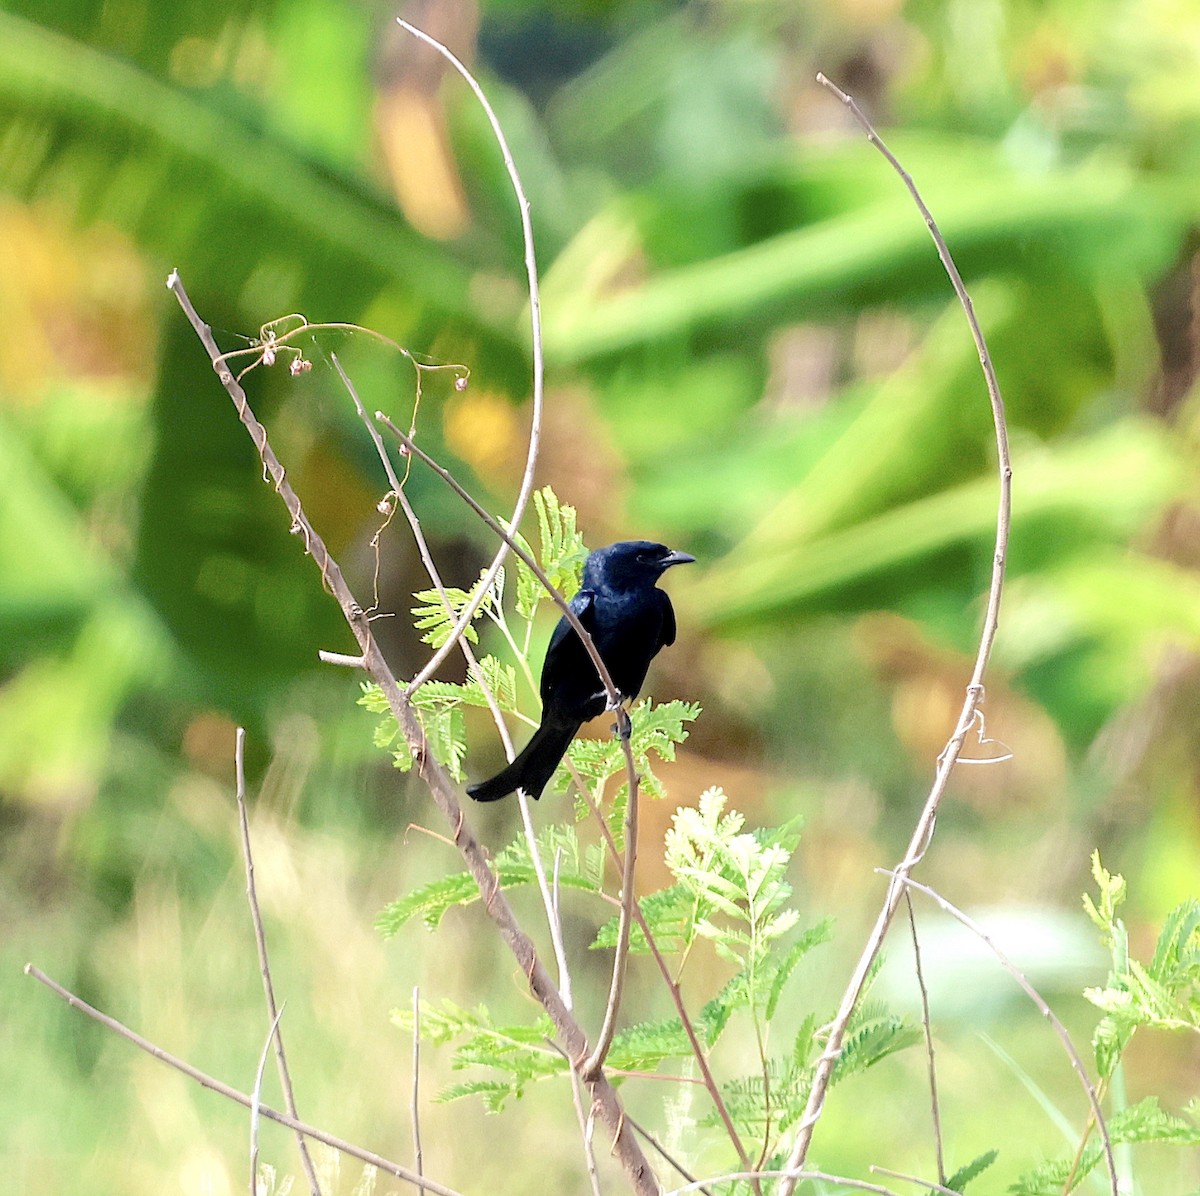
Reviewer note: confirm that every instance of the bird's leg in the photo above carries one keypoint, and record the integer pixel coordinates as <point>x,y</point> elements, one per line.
<point>622,728</point>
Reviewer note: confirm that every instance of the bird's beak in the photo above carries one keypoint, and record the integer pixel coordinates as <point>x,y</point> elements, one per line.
<point>677,558</point>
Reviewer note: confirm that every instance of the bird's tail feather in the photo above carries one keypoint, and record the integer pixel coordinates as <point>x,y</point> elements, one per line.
<point>533,768</point>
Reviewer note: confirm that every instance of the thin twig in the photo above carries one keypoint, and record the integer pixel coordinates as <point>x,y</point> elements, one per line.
<point>786,1175</point>
<point>241,1098</point>
<point>929,1055</point>
<point>256,1104</point>
<point>264,966</point>
<point>414,523</point>
<point>674,1162</point>
<point>1043,1008</point>
<point>923,832</point>
<point>535,329</point>
<point>608,1027</point>
<point>676,995</point>
<point>441,788</point>
<point>914,1179</point>
<point>586,1124</point>
<point>415,1102</point>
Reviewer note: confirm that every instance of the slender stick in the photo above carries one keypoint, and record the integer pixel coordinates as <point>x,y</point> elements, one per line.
<point>1043,1008</point>
<point>923,832</point>
<point>441,788</point>
<point>608,1027</point>
<point>535,329</point>
<point>676,994</point>
<point>914,1179</point>
<point>628,896</point>
<point>787,1175</point>
<point>264,966</point>
<point>662,1150</point>
<point>415,1102</point>
<point>256,1104</point>
<point>401,496</point>
<point>611,692</point>
<point>241,1098</point>
<point>927,1026</point>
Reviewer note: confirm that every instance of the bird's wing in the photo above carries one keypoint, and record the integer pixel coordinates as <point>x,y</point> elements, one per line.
<point>584,607</point>
<point>668,623</point>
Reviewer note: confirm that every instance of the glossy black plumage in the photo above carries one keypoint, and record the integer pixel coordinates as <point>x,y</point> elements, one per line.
<point>630,619</point>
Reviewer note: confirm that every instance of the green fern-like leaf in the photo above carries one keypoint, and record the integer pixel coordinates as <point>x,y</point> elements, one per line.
<point>655,732</point>
<point>972,1170</point>
<point>644,1046</point>
<point>429,902</point>
<point>872,1035</point>
<point>668,913</point>
<point>563,551</point>
<point>580,868</point>
<point>1143,1122</point>
<point>495,1093</point>
<point>1176,961</point>
<point>518,1052</point>
<point>500,679</point>
<point>435,618</point>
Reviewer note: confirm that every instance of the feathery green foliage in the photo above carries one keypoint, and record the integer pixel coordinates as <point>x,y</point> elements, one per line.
<point>520,1054</point>
<point>1160,995</point>
<point>972,1170</point>
<point>1164,994</point>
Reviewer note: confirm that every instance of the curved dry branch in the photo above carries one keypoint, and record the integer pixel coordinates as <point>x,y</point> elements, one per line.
<point>923,832</point>
<point>1043,1008</point>
<point>535,329</point>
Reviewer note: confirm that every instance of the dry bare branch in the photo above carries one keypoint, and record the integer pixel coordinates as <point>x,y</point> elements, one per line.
<point>923,832</point>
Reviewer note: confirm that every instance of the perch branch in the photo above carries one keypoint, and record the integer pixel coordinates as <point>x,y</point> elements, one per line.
<point>595,1059</point>
<point>440,785</point>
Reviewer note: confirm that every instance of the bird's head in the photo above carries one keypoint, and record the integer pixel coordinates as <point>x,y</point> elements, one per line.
<point>630,563</point>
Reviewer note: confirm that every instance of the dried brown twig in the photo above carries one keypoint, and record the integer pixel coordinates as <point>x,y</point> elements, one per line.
<point>1043,1008</point>
<point>264,964</point>
<point>242,1098</point>
<point>605,1100</point>
<point>923,831</point>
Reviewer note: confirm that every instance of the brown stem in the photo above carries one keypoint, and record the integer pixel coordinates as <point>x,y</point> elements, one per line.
<point>241,1098</point>
<point>441,787</point>
<point>260,941</point>
<point>923,832</point>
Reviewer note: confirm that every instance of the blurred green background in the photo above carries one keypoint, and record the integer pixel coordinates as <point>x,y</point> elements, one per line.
<point>752,354</point>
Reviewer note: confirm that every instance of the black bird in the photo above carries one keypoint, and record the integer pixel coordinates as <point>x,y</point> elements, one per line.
<point>629,618</point>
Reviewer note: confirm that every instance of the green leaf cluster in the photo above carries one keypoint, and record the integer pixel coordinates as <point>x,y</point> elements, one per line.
<point>1140,1123</point>
<point>1163,994</point>
<point>517,1055</point>
<point>654,731</point>
<point>579,867</point>
<point>730,891</point>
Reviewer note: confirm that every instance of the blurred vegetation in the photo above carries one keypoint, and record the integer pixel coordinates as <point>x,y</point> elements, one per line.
<point>752,353</point>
